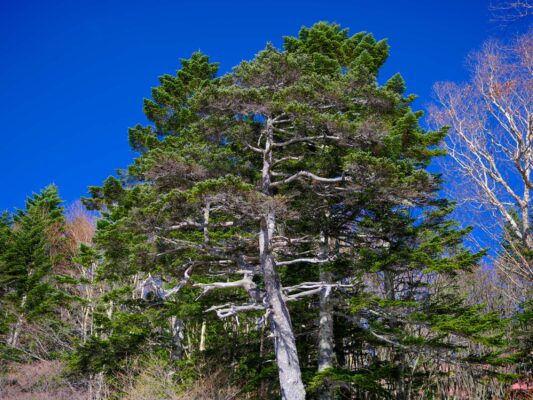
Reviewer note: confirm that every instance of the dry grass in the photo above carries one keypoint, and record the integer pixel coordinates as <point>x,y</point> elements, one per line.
<point>40,380</point>
<point>213,387</point>
<point>156,382</point>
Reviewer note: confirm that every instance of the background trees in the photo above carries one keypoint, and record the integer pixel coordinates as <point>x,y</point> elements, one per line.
<point>490,142</point>
<point>490,147</point>
<point>31,261</point>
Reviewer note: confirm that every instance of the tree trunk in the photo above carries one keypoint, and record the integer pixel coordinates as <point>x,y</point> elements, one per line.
<point>177,327</point>
<point>326,356</point>
<point>15,330</point>
<point>202,335</point>
<point>290,377</point>
<point>397,357</point>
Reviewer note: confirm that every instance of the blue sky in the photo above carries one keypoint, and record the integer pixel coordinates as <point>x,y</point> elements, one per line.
<point>73,74</point>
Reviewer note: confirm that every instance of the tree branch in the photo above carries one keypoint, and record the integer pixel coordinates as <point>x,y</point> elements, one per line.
<point>227,310</point>
<point>305,260</point>
<point>309,175</point>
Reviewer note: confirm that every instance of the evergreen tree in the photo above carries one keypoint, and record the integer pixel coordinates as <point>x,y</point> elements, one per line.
<point>29,278</point>
<point>295,176</point>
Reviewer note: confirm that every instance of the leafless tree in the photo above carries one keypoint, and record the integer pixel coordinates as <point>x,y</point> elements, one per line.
<point>490,143</point>
<point>511,10</point>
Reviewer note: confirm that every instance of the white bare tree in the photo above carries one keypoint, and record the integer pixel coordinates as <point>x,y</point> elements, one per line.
<point>490,143</point>
<point>511,10</point>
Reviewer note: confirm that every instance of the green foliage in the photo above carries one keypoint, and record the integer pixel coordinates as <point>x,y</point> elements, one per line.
<point>32,250</point>
<point>367,380</point>
<point>350,164</point>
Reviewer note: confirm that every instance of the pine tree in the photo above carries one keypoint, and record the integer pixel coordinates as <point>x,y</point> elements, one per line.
<point>294,177</point>
<point>31,252</point>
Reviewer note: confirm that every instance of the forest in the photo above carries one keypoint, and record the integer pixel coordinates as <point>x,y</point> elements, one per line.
<point>292,229</point>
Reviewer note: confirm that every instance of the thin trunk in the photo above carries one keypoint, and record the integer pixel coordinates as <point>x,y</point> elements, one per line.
<point>528,238</point>
<point>207,210</point>
<point>88,290</point>
<point>202,335</point>
<point>15,330</point>
<point>398,358</point>
<point>262,386</point>
<point>290,377</point>
<point>388,285</point>
<point>177,328</point>
<point>326,356</point>
<point>85,323</point>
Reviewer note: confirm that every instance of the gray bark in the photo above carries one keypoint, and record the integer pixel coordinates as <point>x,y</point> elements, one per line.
<point>178,328</point>
<point>202,335</point>
<point>290,377</point>
<point>326,356</point>
<point>15,330</point>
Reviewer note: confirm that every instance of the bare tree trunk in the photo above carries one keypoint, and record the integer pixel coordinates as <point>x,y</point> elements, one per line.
<point>388,285</point>
<point>88,291</point>
<point>290,377</point>
<point>263,386</point>
<point>326,356</point>
<point>177,327</point>
<point>397,358</point>
<point>15,330</point>
<point>202,335</point>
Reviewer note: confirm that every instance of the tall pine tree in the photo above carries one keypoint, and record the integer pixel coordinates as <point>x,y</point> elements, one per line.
<point>294,177</point>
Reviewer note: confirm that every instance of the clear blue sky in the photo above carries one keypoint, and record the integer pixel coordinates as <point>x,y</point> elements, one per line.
<point>73,74</point>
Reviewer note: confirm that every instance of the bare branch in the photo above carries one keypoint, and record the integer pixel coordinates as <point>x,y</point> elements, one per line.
<point>246,283</point>
<point>511,10</point>
<point>309,175</point>
<point>253,148</point>
<point>281,160</point>
<point>192,224</point>
<point>227,310</point>
<point>153,285</point>
<point>313,260</point>
<point>491,139</point>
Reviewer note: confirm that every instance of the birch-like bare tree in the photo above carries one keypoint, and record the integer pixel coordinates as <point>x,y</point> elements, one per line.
<point>512,10</point>
<point>490,143</point>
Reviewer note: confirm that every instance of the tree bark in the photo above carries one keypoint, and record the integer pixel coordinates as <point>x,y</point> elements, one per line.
<point>177,328</point>
<point>326,356</point>
<point>202,335</point>
<point>15,330</point>
<point>290,377</point>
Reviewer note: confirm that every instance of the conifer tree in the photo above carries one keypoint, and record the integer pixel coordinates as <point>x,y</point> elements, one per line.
<point>296,176</point>
<point>31,252</point>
